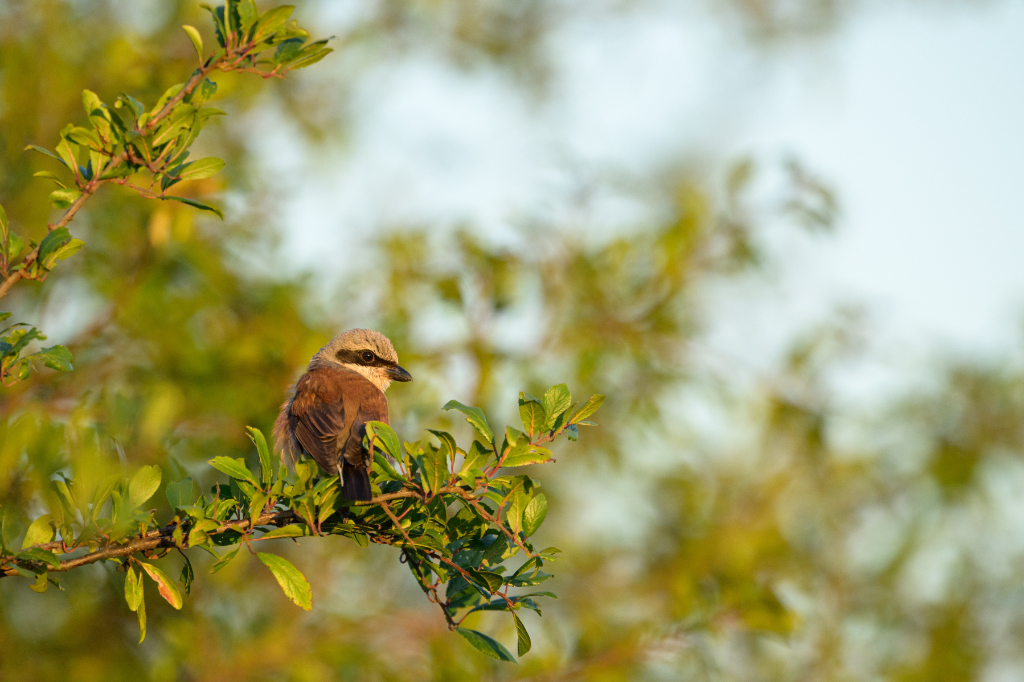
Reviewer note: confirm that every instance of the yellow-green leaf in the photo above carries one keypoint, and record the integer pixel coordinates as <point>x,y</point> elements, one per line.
<point>197,40</point>
<point>144,485</point>
<point>168,590</point>
<point>486,644</point>
<point>39,532</point>
<point>291,580</point>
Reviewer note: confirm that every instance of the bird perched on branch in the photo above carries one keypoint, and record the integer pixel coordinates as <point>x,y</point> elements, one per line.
<point>342,389</point>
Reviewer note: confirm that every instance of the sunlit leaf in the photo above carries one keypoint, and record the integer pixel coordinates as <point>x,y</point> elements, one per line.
<point>523,636</point>
<point>556,401</point>
<point>195,204</point>
<point>589,408</point>
<point>233,467</point>
<point>168,590</point>
<point>224,560</point>
<point>201,169</point>
<point>486,644</point>
<point>266,461</point>
<point>40,532</point>
<point>291,580</point>
<point>144,485</point>
<point>293,530</point>
<point>534,514</point>
<point>133,593</point>
<point>386,438</point>
<point>197,40</point>
<point>476,417</point>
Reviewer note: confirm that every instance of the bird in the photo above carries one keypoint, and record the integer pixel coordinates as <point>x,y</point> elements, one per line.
<point>342,389</point>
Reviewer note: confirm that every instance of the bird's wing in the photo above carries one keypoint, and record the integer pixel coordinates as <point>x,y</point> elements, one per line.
<point>318,417</point>
<point>368,405</point>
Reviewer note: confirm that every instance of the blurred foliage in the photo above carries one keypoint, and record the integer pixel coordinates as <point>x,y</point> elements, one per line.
<point>715,530</point>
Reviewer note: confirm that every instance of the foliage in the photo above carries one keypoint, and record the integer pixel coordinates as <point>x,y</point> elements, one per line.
<point>465,553</point>
<point>499,513</point>
<point>725,524</point>
<point>128,145</point>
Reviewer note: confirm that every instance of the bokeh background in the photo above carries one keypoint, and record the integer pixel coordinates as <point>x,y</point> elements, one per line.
<point>782,236</point>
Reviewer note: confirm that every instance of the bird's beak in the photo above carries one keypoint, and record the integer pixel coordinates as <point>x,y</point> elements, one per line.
<point>398,374</point>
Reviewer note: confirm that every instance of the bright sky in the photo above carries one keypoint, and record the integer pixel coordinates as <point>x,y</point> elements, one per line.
<point>913,115</point>
<point>919,124</point>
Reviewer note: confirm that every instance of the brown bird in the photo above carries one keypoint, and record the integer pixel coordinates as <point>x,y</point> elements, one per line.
<point>342,389</point>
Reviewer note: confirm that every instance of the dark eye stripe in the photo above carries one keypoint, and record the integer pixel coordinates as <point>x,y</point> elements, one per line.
<point>355,357</point>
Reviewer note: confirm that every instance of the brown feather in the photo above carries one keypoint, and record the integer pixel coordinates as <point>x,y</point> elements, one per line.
<point>326,419</point>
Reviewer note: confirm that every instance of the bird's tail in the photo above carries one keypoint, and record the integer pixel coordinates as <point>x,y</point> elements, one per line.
<point>355,484</point>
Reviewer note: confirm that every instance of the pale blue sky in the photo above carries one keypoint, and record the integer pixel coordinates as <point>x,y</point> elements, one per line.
<point>912,113</point>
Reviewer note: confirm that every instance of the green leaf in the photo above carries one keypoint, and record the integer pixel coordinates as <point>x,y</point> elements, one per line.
<point>62,252</point>
<point>247,15</point>
<point>135,105</point>
<point>266,461</point>
<point>201,169</point>
<point>41,556</point>
<point>141,612</point>
<point>448,449</point>
<point>530,580</point>
<point>288,50</point>
<point>133,593</point>
<point>188,574</point>
<point>493,554</point>
<point>477,456</point>
<point>144,485</point>
<point>3,213</point>
<point>524,637</point>
<point>385,469</point>
<point>475,416</point>
<point>235,468</point>
<point>224,560</point>
<point>181,494</point>
<point>197,40</point>
<point>533,455</point>
<point>168,590</point>
<point>196,204</point>
<point>39,532</point>
<point>14,246</point>
<point>290,579</point>
<point>483,643</point>
<point>534,514</point>
<point>271,20</point>
<point>433,468</point>
<point>295,530</point>
<point>63,198</point>
<point>84,137</point>
<point>515,509</point>
<point>90,102</point>
<point>588,409</point>
<point>532,414</point>
<point>49,176</point>
<point>54,357</point>
<point>310,60</point>
<point>385,437</point>
<point>491,581</point>
<point>40,583</point>
<point>45,151</point>
<point>50,246</point>
<point>556,401</point>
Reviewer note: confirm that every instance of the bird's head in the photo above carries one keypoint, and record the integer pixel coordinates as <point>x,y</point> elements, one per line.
<point>365,351</point>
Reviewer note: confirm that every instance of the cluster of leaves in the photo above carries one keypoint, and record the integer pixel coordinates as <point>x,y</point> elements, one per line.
<point>146,150</point>
<point>455,519</point>
<point>14,367</point>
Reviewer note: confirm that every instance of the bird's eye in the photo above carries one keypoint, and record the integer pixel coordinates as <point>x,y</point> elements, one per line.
<point>367,356</point>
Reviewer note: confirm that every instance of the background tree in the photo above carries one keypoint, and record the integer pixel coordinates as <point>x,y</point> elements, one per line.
<point>781,551</point>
